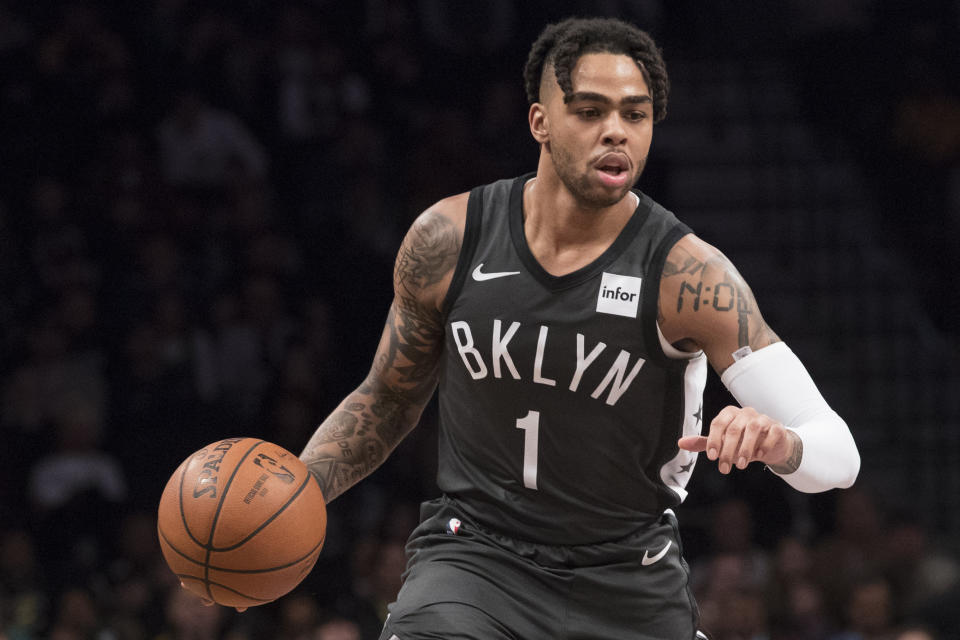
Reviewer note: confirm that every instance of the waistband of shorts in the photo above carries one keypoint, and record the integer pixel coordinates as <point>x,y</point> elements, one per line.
<point>562,554</point>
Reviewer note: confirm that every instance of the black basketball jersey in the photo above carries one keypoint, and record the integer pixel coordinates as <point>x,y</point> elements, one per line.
<point>559,409</point>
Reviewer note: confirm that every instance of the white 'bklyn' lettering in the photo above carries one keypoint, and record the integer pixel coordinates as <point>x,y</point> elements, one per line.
<point>617,379</point>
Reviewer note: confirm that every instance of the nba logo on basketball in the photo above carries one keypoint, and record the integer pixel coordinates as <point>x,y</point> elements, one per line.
<point>453,526</point>
<point>619,295</point>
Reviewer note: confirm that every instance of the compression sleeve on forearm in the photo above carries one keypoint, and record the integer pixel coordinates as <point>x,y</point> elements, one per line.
<point>773,381</point>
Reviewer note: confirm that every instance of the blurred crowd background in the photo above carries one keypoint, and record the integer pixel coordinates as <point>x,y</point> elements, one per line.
<point>200,202</point>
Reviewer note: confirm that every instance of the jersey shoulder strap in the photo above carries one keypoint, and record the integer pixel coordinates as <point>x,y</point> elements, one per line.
<point>471,236</point>
<point>671,230</point>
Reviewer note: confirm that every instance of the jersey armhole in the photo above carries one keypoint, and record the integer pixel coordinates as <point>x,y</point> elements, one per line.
<point>652,336</point>
<point>471,236</point>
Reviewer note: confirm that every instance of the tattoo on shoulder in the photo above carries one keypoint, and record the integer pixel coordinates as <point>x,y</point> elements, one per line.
<point>716,285</point>
<point>682,264</point>
<point>428,253</point>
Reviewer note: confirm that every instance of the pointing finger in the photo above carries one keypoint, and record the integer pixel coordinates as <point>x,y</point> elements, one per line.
<point>696,444</point>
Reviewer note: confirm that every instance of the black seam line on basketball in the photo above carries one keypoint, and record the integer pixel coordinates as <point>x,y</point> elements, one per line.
<point>177,551</point>
<point>278,567</point>
<point>228,570</point>
<point>183,517</point>
<point>223,586</point>
<point>216,516</point>
<point>303,485</point>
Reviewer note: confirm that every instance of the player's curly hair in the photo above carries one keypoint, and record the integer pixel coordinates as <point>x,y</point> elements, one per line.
<point>561,45</point>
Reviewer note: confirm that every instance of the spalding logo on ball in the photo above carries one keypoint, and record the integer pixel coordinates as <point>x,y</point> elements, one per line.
<point>241,522</point>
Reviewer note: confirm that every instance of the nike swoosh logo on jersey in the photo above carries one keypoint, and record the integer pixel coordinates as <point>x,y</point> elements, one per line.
<point>479,276</point>
<point>648,559</point>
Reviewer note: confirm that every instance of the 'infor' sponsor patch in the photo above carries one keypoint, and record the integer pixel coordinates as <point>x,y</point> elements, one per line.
<point>619,295</point>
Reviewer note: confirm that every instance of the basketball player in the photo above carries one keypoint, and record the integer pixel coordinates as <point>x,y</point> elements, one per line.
<point>568,321</point>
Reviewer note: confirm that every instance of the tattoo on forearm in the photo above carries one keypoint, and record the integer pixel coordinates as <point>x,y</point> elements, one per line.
<point>792,462</point>
<point>372,421</point>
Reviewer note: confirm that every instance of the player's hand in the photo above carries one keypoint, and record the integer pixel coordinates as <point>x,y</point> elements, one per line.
<point>741,436</point>
<point>207,602</point>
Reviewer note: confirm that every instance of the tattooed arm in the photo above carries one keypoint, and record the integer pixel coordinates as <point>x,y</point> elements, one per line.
<point>358,436</point>
<point>784,422</point>
<point>706,304</point>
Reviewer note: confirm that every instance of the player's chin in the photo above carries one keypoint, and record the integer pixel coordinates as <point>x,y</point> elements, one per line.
<point>607,195</point>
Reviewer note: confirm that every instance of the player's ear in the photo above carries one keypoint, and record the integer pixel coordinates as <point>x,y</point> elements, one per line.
<point>538,123</point>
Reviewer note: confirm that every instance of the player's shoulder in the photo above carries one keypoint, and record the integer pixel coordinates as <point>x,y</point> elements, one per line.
<point>704,301</point>
<point>693,262</point>
<point>690,248</point>
<point>446,217</point>
<point>694,270</point>
<point>429,252</point>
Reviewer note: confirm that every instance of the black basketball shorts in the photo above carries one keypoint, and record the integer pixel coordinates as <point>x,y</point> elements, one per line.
<point>466,583</point>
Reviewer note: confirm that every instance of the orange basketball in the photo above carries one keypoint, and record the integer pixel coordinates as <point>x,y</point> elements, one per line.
<point>241,522</point>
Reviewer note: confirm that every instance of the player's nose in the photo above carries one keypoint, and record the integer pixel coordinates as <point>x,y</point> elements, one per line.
<point>614,131</point>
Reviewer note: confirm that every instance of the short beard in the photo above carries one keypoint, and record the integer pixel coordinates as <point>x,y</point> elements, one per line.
<point>579,184</point>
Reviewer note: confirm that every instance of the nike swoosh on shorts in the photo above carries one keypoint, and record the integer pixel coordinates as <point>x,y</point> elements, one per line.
<point>648,559</point>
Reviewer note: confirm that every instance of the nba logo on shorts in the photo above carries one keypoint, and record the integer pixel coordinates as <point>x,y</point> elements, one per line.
<point>453,526</point>
<point>619,295</point>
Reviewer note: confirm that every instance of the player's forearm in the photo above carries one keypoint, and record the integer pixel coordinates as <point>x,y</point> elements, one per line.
<point>823,453</point>
<point>358,436</point>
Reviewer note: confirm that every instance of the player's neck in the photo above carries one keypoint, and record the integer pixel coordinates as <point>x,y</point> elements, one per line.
<point>563,235</point>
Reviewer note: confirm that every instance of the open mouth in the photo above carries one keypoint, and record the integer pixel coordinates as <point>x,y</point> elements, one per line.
<point>613,169</point>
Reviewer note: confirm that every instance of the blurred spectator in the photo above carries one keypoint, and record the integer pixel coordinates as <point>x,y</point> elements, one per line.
<point>915,633</point>
<point>205,147</point>
<point>298,618</point>
<point>337,628</point>
<point>805,616</point>
<point>37,391</point>
<point>796,602</point>
<point>77,616</point>
<point>735,615</point>
<point>854,549</point>
<point>80,483</point>
<point>468,28</point>
<point>24,604</point>
<point>186,618</point>
<point>137,577</point>
<point>78,464</point>
<point>735,562</point>
<point>868,613</point>
<point>919,571</point>
<point>316,89</point>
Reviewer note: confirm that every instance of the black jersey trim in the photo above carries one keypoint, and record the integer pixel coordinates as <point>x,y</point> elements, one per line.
<point>581,275</point>
<point>471,237</point>
<point>651,297</point>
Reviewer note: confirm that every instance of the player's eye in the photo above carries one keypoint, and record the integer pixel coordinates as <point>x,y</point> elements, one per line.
<point>589,113</point>
<point>636,116</point>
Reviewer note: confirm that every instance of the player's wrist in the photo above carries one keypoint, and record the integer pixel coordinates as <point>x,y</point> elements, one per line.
<point>793,456</point>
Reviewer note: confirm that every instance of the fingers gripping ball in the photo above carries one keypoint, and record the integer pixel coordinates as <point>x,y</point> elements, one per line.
<point>241,522</point>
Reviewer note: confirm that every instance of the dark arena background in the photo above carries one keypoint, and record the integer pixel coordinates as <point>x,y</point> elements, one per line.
<point>200,203</point>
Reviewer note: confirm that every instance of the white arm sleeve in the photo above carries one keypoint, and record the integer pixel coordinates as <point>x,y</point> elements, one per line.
<point>773,381</point>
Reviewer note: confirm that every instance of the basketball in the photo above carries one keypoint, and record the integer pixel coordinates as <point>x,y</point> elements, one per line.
<point>241,522</point>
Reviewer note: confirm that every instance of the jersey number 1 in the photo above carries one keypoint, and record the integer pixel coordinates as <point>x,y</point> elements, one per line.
<point>531,438</point>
